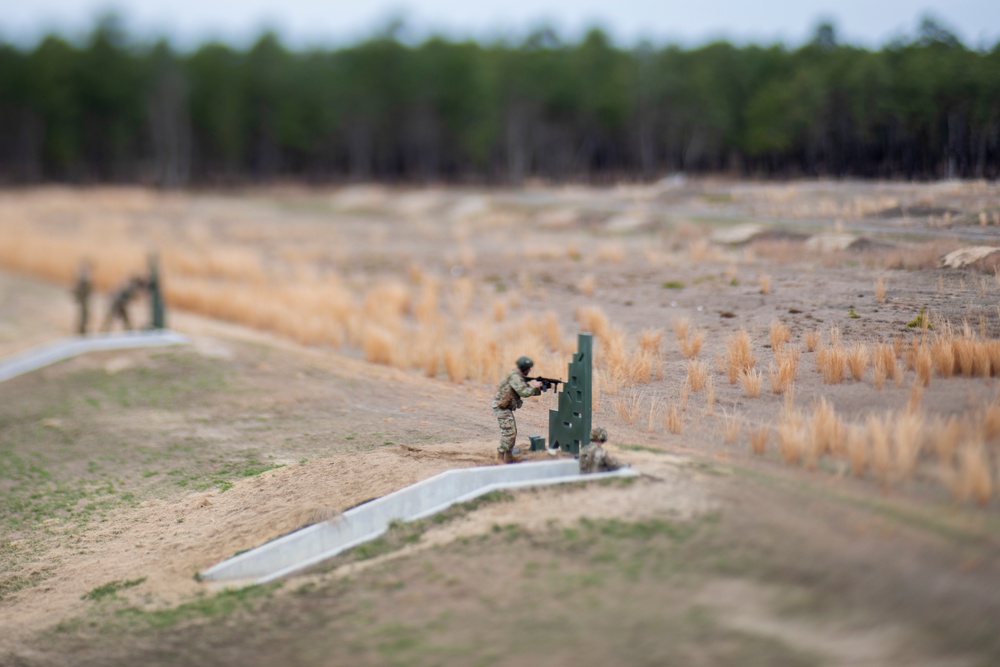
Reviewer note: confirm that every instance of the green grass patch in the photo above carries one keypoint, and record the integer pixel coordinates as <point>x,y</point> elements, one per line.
<point>111,589</point>
<point>673,284</point>
<point>222,604</point>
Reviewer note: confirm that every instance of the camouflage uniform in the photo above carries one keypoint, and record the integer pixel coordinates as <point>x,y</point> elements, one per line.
<point>81,292</point>
<point>120,301</point>
<point>594,458</point>
<point>508,397</point>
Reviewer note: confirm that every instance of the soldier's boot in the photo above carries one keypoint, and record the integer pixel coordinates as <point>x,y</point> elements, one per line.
<point>500,456</point>
<point>508,456</point>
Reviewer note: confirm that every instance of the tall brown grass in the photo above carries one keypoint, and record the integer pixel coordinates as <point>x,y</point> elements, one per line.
<point>681,327</point>
<point>826,431</point>
<point>673,420</point>
<point>730,427</point>
<point>758,439</point>
<point>697,375</point>
<point>811,340</point>
<point>790,432</point>
<point>650,341</point>
<point>779,334</point>
<point>765,283</point>
<point>857,450</point>
<point>709,396</point>
<point>973,478</point>
<point>834,363</point>
<point>691,345</point>
<point>881,454</point>
<point>907,429</point>
<point>857,360</point>
<point>739,356</point>
<point>628,406</point>
<point>751,380</point>
<point>880,289</point>
<point>593,319</point>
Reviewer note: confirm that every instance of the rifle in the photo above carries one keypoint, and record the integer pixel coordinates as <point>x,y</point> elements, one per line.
<point>549,383</point>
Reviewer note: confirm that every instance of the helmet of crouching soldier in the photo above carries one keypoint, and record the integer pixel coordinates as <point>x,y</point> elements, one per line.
<point>599,434</point>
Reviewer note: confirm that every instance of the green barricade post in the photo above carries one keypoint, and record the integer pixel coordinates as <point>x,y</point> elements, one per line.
<point>569,425</point>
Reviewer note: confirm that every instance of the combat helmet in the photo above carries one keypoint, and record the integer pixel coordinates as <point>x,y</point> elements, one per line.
<point>524,364</point>
<point>599,434</point>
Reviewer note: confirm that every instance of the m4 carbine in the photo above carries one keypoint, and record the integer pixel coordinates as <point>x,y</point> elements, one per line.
<point>548,383</point>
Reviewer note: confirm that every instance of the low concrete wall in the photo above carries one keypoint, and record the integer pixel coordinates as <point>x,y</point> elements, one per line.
<point>50,353</point>
<point>321,541</point>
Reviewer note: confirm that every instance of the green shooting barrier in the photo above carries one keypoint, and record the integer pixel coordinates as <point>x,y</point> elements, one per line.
<point>569,425</point>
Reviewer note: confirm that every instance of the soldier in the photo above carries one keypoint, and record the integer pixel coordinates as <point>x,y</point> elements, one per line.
<point>81,293</point>
<point>510,391</point>
<point>594,458</point>
<point>119,303</point>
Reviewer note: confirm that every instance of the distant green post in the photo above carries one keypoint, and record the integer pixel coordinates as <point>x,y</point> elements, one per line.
<point>158,315</point>
<point>569,425</point>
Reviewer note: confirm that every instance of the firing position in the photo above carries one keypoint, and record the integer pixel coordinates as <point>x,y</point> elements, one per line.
<point>512,389</point>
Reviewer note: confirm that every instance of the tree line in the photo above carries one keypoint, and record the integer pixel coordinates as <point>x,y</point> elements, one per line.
<point>112,110</point>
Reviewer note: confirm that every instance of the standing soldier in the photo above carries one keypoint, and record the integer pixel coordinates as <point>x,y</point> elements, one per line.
<point>81,293</point>
<point>593,457</point>
<point>510,391</point>
<point>119,303</point>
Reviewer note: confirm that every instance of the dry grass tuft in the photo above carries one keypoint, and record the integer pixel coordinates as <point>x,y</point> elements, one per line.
<point>857,450</point>
<point>758,439</point>
<point>881,455</point>
<point>880,289</point>
<point>826,432</point>
<point>972,479</point>
<point>915,397</point>
<point>709,396</point>
<point>588,284</point>
<point>730,427</point>
<point>378,345</point>
<point>739,356</point>
<point>924,363</point>
<point>672,419</point>
<point>681,327</point>
<point>834,364</point>
<point>791,435</point>
<point>628,407</point>
<point>654,412</point>
<point>885,362</point>
<point>751,380</point>
<point>593,319</point>
<point>907,443</point>
<point>780,334</point>
<point>697,375</point>
<point>945,436</point>
<point>857,360</point>
<point>765,283</point>
<point>691,346</point>
<point>811,340</point>
<point>650,341</point>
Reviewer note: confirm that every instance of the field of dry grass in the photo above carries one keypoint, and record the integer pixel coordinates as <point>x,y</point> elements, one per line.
<point>456,284</point>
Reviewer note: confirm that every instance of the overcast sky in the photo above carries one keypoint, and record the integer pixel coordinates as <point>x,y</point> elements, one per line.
<point>332,22</point>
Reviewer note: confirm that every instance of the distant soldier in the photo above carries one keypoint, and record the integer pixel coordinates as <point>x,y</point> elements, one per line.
<point>510,391</point>
<point>594,458</point>
<point>81,292</point>
<point>120,301</point>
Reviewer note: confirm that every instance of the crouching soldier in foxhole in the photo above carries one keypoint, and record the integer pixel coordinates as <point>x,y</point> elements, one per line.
<point>514,387</point>
<point>594,458</point>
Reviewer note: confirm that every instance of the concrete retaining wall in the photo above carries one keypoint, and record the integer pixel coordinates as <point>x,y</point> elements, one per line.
<point>321,541</point>
<point>50,353</point>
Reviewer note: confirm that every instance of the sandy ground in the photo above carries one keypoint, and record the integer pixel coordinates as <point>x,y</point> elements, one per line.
<point>346,431</point>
